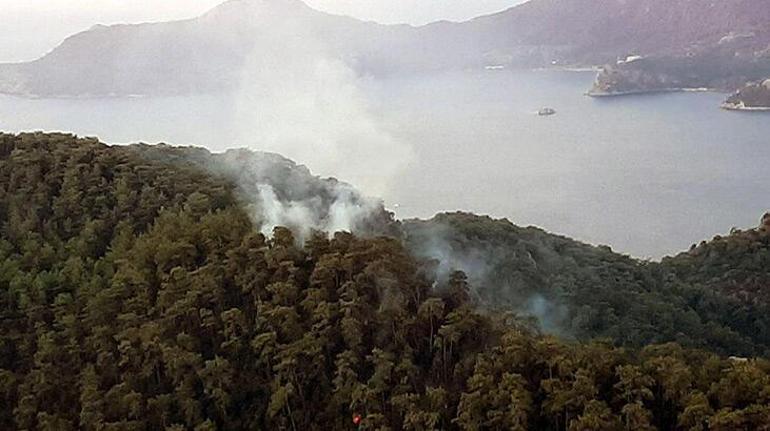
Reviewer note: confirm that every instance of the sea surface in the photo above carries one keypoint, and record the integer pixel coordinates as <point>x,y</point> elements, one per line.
<point>647,175</point>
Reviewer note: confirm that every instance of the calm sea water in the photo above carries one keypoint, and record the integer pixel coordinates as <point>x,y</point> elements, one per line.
<point>647,175</point>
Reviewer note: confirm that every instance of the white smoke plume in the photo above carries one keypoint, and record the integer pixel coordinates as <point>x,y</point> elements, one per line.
<point>481,262</point>
<point>298,100</point>
<point>346,212</point>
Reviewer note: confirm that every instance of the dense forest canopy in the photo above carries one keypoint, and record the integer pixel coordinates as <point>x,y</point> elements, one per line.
<point>583,292</point>
<point>137,292</point>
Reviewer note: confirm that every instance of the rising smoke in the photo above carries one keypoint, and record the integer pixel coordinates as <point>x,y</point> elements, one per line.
<point>491,273</point>
<point>279,192</point>
<point>299,100</point>
<point>347,212</point>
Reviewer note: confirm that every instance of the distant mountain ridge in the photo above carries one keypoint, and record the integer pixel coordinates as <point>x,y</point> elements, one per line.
<point>209,53</point>
<point>600,31</point>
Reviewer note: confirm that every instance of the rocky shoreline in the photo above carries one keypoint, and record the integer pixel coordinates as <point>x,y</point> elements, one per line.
<point>608,94</point>
<point>754,96</point>
<point>740,107</point>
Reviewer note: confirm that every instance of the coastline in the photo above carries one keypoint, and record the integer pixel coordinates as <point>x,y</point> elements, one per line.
<point>35,96</point>
<point>86,97</point>
<point>568,69</point>
<point>607,94</point>
<point>742,108</point>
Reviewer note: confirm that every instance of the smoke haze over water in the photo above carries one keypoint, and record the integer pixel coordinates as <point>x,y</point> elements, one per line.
<point>300,102</point>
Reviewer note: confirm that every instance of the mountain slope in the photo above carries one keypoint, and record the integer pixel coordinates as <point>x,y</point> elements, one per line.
<point>565,287</point>
<point>736,264</point>
<point>137,293</point>
<point>586,292</point>
<point>197,55</point>
<point>717,45</point>
<point>211,53</point>
<point>601,30</point>
<point>227,45</point>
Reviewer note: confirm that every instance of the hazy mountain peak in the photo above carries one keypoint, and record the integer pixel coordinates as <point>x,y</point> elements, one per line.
<point>257,6</point>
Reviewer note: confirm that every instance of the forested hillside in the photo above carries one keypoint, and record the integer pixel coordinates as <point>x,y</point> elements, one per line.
<point>137,293</point>
<point>583,292</point>
<point>737,264</point>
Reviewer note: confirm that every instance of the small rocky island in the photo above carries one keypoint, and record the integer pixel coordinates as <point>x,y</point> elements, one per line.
<point>752,97</point>
<point>546,112</point>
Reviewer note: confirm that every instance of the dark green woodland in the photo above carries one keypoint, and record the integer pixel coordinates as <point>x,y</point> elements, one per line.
<point>137,293</point>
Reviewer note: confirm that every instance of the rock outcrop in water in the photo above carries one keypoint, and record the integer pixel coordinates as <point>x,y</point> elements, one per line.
<point>752,97</point>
